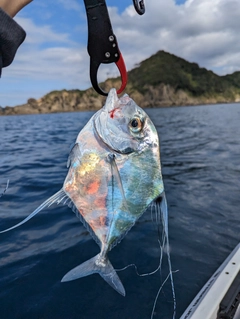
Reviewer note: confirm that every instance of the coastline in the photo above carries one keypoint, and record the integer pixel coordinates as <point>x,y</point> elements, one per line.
<point>163,80</point>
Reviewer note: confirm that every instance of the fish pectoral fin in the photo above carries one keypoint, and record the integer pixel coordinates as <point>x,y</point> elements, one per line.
<point>116,175</point>
<point>75,153</point>
<point>56,198</point>
<point>97,265</point>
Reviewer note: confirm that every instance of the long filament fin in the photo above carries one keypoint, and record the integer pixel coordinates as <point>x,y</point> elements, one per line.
<point>161,219</point>
<point>163,212</point>
<point>56,198</point>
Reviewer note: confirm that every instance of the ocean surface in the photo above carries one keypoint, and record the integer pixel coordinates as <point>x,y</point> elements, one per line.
<point>200,155</point>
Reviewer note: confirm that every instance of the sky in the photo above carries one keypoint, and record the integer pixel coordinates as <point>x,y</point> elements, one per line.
<point>54,54</point>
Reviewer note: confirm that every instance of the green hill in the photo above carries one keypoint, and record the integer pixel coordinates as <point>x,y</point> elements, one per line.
<point>161,80</point>
<point>168,69</point>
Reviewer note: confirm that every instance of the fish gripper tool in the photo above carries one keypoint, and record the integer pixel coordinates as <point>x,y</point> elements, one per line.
<point>102,43</point>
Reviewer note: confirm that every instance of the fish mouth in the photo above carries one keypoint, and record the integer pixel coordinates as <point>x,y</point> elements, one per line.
<point>113,102</point>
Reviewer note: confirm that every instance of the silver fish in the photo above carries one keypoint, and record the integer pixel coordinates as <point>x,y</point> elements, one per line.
<point>114,175</point>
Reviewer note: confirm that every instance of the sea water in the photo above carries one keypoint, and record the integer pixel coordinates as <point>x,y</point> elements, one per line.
<point>200,155</point>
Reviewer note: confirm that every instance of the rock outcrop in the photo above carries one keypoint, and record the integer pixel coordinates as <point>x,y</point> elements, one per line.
<point>160,81</point>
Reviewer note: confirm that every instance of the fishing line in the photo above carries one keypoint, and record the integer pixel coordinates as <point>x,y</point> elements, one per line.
<point>162,211</point>
<point>145,274</point>
<point>5,189</point>
<point>163,283</point>
<point>160,220</point>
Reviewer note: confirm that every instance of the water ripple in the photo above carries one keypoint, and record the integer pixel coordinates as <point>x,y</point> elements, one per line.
<point>200,154</point>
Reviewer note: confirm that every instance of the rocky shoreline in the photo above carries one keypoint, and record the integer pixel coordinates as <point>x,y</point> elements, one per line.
<point>74,101</point>
<point>162,80</point>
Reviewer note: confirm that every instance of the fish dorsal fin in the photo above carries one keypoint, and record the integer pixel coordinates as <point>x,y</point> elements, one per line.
<point>56,198</point>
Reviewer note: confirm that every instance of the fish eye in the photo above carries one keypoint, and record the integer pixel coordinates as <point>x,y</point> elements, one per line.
<point>136,124</point>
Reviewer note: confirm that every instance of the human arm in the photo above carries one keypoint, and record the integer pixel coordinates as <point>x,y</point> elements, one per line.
<point>11,34</point>
<point>12,7</point>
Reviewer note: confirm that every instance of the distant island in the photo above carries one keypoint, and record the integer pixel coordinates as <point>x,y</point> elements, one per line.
<point>159,81</point>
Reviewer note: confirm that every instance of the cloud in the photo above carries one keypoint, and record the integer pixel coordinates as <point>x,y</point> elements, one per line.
<point>47,54</point>
<point>40,34</point>
<point>47,60</point>
<point>71,5</point>
<point>202,31</point>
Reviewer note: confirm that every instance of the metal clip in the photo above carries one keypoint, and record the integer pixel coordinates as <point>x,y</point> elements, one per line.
<point>102,43</point>
<point>94,65</point>
<point>139,6</point>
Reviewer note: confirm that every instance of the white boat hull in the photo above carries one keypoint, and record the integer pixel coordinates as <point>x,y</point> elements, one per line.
<point>206,305</point>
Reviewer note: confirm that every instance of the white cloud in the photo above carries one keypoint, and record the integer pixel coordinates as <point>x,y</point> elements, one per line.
<point>40,34</point>
<point>202,31</point>
<point>71,5</point>
<point>47,60</point>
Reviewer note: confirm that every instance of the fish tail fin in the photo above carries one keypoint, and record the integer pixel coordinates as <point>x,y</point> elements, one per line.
<point>56,198</point>
<point>99,265</point>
